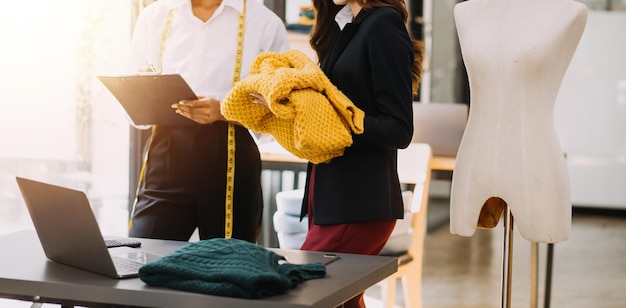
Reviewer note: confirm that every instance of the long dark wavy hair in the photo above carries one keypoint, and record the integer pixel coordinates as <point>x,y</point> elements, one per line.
<point>325,30</point>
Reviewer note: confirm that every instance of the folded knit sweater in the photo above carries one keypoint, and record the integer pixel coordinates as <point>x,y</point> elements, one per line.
<point>307,114</point>
<point>228,267</point>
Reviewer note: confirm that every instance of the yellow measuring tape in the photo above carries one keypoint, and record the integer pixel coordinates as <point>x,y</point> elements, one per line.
<point>166,30</point>
<point>230,161</point>
<point>230,168</point>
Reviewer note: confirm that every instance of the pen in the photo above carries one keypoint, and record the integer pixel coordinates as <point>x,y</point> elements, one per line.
<point>150,65</point>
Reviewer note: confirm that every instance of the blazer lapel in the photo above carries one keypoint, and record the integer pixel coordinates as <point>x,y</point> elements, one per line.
<point>342,40</point>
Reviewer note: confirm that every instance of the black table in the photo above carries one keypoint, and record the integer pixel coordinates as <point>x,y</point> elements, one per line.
<point>26,274</point>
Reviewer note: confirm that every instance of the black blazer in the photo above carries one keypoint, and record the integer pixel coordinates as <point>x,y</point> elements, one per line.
<point>370,61</point>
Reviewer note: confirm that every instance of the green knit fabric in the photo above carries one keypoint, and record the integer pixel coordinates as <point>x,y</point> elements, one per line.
<point>228,267</point>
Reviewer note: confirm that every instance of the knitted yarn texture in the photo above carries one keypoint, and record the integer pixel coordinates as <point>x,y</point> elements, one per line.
<point>228,267</point>
<point>307,114</point>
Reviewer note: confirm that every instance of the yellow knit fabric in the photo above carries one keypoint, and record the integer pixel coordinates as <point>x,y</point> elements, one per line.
<point>307,114</point>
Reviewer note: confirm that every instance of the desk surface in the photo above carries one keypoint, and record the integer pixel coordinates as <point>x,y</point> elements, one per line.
<point>26,274</point>
<point>272,152</point>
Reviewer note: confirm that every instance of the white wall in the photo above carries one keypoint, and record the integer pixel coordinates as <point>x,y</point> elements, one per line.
<point>590,113</point>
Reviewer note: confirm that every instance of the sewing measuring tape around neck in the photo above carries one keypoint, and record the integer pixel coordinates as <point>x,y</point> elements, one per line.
<point>230,168</point>
<point>230,161</point>
<point>164,34</point>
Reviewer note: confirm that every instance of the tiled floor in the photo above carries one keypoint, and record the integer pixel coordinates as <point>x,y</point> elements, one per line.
<point>589,269</point>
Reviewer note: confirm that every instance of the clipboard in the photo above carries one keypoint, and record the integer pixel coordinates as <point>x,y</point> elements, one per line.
<point>148,98</point>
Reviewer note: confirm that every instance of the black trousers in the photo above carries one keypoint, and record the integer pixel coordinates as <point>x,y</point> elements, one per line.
<point>184,184</point>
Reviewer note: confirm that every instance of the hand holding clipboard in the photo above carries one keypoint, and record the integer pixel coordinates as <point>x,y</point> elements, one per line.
<point>148,98</point>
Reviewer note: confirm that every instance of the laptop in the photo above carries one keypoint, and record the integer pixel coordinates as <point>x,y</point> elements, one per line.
<point>441,125</point>
<point>148,98</point>
<point>69,233</point>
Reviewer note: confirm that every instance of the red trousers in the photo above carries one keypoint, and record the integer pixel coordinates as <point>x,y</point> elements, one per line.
<point>360,238</point>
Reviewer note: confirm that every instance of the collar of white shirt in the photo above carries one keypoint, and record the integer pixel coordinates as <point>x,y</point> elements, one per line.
<point>344,17</point>
<point>185,5</point>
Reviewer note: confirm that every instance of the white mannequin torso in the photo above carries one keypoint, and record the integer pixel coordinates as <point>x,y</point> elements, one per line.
<point>516,53</point>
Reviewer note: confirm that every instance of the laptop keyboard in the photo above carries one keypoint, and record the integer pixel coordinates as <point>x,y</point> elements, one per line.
<point>124,265</point>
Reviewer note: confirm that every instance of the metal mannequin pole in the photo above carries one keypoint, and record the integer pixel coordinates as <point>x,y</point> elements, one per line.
<point>534,274</point>
<point>507,260</point>
<point>549,261</point>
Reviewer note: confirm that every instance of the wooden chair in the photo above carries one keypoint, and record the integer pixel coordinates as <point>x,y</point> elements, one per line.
<point>414,170</point>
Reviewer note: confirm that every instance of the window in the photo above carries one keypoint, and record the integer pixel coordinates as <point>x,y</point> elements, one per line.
<point>58,124</point>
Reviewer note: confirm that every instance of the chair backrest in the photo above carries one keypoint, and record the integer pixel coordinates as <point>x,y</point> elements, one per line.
<point>414,168</point>
<point>441,125</point>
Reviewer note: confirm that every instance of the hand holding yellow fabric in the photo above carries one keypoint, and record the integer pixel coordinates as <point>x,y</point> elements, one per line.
<point>305,112</point>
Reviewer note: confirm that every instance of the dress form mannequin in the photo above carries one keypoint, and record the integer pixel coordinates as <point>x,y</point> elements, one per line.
<point>516,53</point>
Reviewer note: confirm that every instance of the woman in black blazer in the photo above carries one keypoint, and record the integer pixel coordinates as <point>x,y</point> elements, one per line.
<point>366,51</point>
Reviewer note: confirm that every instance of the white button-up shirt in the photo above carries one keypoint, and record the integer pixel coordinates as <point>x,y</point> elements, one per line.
<point>203,53</point>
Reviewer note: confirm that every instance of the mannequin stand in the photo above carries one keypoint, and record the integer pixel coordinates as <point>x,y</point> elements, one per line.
<point>534,274</point>
<point>534,278</point>
<point>507,267</point>
<point>507,260</point>
<point>550,258</point>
